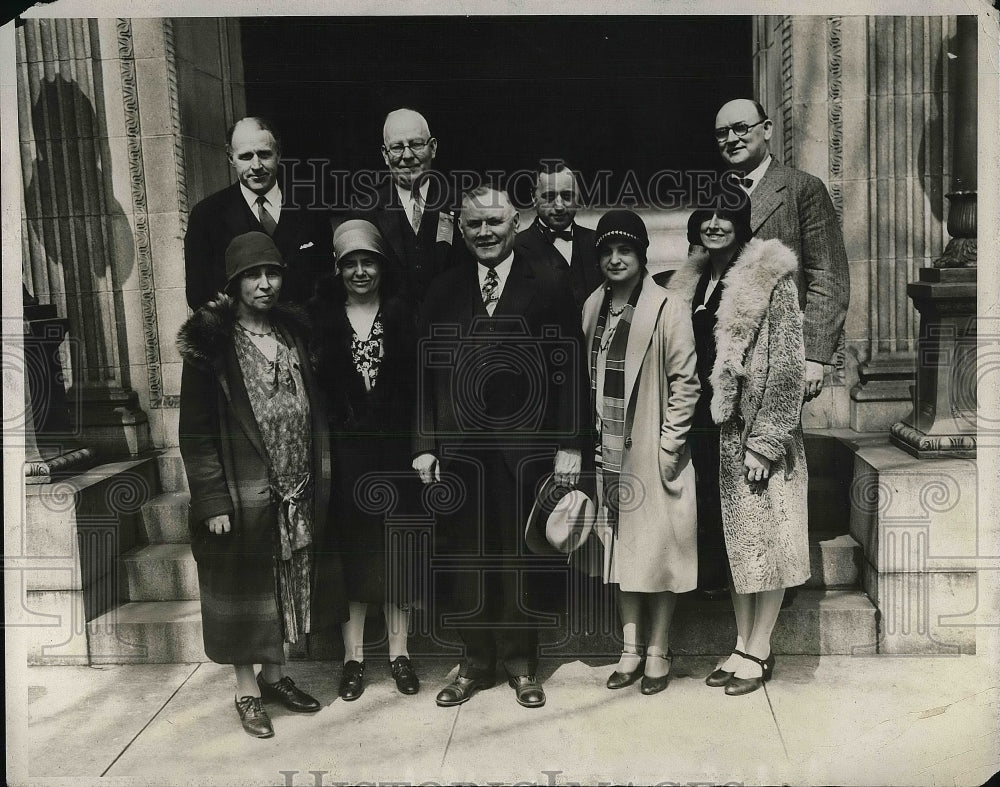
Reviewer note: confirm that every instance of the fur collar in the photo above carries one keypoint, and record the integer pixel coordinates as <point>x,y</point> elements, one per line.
<point>207,334</point>
<point>745,299</point>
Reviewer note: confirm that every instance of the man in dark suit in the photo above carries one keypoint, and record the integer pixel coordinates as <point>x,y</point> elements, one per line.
<point>793,206</point>
<point>252,204</point>
<point>413,208</point>
<point>503,401</point>
<point>555,236</point>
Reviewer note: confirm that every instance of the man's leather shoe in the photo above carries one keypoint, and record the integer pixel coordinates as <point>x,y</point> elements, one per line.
<point>352,680</point>
<point>254,718</point>
<point>529,691</point>
<point>461,690</point>
<point>406,679</point>
<point>286,692</point>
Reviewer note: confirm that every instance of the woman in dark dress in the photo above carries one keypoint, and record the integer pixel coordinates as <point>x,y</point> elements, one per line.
<point>253,435</point>
<point>366,361</point>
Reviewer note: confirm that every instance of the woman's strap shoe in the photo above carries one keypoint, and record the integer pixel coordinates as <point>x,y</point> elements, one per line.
<point>352,680</point>
<point>619,680</point>
<point>253,717</point>
<point>650,685</point>
<point>288,694</point>
<point>737,687</point>
<point>406,679</point>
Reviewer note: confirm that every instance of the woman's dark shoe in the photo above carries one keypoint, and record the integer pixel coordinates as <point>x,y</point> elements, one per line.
<point>720,677</point>
<point>406,679</point>
<point>288,694</point>
<point>619,680</point>
<point>650,685</point>
<point>738,686</point>
<point>352,680</point>
<point>254,718</point>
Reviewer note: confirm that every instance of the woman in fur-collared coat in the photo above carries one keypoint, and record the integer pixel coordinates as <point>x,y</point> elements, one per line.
<point>748,333</point>
<point>253,436</point>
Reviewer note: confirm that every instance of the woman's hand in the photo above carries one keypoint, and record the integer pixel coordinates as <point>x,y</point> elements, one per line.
<point>758,467</point>
<point>427,468</point>
<point>669,462</point>
<point>218,525</point>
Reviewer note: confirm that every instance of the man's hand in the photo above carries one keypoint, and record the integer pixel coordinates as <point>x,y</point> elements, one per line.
<point>427,468</point>
<point>814,379</point>
<point>758,466</point>
<point>219,524</point>
<point>566,468</point>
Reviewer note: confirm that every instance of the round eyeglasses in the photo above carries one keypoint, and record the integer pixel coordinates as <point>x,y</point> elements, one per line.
<point>739,129</point>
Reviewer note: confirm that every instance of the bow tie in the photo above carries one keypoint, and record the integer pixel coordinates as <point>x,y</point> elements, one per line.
<point>552,235</point>
<point>741,181</point>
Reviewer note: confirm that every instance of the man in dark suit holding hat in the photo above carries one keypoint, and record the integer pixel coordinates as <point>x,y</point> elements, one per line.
<point>503,401</point>
<point>413,208</point>
<point>554,235</point>
<point>255,203</point>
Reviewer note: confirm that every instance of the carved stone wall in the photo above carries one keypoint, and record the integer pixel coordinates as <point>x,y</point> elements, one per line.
<point>122,128</point>
<point>863,103</point>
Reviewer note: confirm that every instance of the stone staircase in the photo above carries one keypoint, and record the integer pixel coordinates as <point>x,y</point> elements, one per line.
<point>161,621</point>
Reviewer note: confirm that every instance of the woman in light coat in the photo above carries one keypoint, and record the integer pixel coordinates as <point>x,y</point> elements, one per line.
<point>748,329</point>
<point>644,389</point>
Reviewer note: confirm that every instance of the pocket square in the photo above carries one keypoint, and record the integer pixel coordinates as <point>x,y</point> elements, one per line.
<point>306,245</point>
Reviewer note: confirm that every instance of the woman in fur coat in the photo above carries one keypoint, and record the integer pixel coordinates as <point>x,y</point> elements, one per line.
<point>748,332</point>
<point>644,388</point>
<point>253,436</point>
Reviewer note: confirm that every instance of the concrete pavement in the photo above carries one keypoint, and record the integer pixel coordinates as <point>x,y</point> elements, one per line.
<point>822,720</point>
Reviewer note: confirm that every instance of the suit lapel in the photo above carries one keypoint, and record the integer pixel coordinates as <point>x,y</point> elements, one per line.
<point>517,290</point>
<point>768,196</point>
<point>389,217</point>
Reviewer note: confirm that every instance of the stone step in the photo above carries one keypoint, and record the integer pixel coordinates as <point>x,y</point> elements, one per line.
<point>165,518</point>
<point>147,632</point>
<point>161,572</point>
<point>834,562</point>
<point>171,469</point>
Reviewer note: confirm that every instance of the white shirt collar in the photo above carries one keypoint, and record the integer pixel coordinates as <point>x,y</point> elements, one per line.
<point>273,198</point>
<point>758,172</point>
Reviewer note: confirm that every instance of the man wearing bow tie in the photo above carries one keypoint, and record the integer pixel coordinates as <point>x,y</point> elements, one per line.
<point>255,203</point>
<point>793,206</point>
<point>555,236</point>
<point>413,208</point>
<point>503,401</point>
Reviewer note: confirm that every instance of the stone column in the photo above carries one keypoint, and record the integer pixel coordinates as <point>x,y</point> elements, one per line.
<point>861,102</point>
<point>122,123</point>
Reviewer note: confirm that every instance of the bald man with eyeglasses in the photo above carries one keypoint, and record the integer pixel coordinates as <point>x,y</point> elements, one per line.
<point>794,207</point>
<point>413,207</point>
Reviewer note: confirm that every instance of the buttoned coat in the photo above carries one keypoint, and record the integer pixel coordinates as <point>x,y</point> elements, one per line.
<point>795,208</point>
<point>758,381</point>
<point>656,545</point>
<point>227,470</point>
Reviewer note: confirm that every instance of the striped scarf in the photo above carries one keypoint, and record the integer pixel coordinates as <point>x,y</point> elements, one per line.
<point>609,460</point>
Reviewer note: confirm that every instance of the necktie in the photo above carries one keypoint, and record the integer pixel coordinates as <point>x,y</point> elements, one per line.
<point>266,219</point>
<point>490,286</point>
<point>554,235</point>
<point>744,183</point>
<point>418,210</point>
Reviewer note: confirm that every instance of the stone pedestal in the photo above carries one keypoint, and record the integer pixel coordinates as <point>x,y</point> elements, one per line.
<point>883,393</point>
<point>70,556</point>
<point>916,521</point>
<point>943,421</point>
<point>113,421</point>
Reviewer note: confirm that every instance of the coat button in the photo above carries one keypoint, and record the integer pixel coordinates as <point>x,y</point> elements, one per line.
<point>628,442</point>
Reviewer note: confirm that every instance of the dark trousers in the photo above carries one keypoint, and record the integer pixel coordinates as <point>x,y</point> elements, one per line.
<point>493,585</point>
<point>713,562</point>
